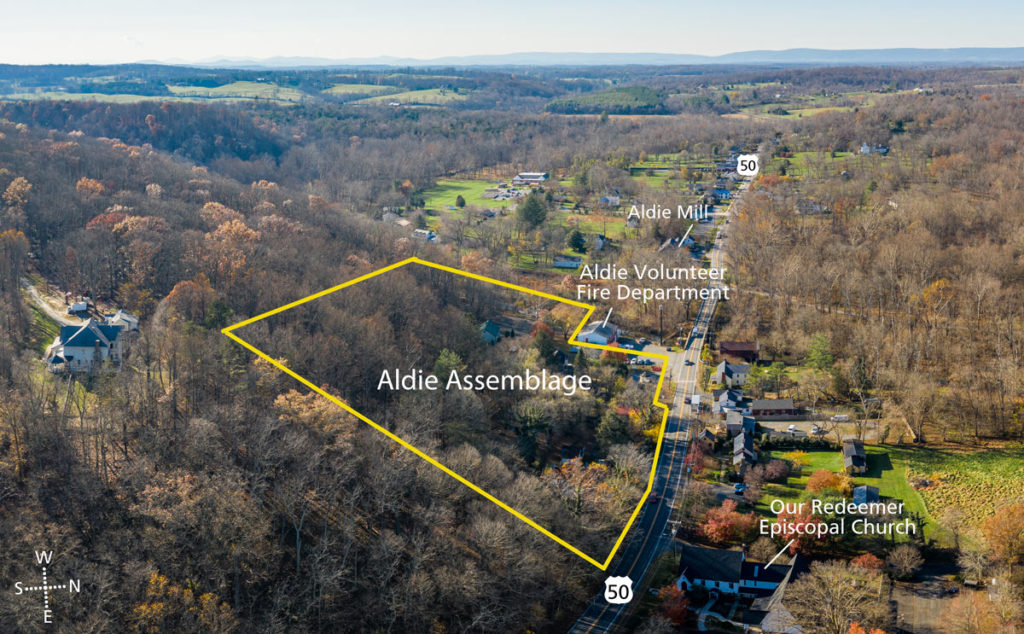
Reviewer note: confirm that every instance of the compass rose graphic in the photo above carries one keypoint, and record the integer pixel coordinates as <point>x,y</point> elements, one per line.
<point>73,586</point>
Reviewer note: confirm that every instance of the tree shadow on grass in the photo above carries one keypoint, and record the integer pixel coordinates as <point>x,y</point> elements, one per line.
<point>877,463</point>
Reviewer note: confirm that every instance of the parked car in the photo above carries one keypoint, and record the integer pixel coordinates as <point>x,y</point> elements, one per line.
<point>840,418</point>
<point>791,428</point>
<point>739,488</point>
<point>817,430</point>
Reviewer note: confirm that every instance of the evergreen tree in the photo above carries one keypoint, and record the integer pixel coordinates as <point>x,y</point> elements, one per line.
<point>819,356</point>
<point>576,241</point>
<point>446,362</point>
<point>532,211</point>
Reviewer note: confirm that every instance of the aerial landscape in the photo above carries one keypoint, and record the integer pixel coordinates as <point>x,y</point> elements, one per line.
<point>349,320</point>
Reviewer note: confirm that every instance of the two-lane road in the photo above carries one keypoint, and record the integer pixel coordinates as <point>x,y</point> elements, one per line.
<point>648,534</point>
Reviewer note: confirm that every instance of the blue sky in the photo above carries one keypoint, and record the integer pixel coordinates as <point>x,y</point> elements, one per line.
<point>191,30</point>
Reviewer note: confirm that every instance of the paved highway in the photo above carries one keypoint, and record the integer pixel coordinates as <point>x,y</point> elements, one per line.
<point>648,535</point>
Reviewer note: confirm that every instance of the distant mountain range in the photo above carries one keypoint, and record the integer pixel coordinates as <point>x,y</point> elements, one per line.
<point>796,56</point>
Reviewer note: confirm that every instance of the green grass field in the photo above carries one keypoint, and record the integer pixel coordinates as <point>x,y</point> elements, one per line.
<point>673,160</point>
<point>445,192</point>
<point>42,331</point>
<point>611,226</point>
<point>619,99</point>
<point>240,89</point>
<point>888,469</point>
<point>83,96</point>
<point>361,89</point>
<point>429,96</point>
<point>801,162</point>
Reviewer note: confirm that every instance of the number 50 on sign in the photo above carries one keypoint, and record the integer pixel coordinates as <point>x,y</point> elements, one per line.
<point>747,165</point>
<point>618,589</point>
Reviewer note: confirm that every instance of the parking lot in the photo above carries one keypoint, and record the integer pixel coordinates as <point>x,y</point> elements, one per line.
<point>803,428</point>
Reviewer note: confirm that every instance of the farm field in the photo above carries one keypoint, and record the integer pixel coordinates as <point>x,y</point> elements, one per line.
<point>822,165</point>
<point>85,96</point>
<point>428,96</point>
<point>240,89</point>
<point>361,89</point>
<point>977,482</point>
<point>792,111</point>
<point>619,99</point>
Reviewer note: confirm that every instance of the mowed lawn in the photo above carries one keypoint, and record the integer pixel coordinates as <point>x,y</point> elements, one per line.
<point>888,469</point>
<point>595,223</point>
<point>445,192</point>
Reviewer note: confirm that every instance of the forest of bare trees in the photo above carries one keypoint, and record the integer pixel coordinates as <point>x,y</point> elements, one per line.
<point>198,490</point>
<point>915,276</point>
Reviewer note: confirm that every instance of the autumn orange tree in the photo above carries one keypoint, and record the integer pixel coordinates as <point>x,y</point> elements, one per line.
<point>191,298</point>
<point>674,604</point>
<point>725,524</point>
<point>1004,533</point>
<point>824,479</point>
<point>89,187</point>
<point>868,562</point>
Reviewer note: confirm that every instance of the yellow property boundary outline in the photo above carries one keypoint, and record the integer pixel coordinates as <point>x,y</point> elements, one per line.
<point>229,331</point>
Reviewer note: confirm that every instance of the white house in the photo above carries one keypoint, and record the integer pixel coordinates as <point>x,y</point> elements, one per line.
<point>80,348</point>
<point>732,374</point>
<point>127,321</point>
<point>424,234</point>
<point>728,572</point>
<point>602,334</point>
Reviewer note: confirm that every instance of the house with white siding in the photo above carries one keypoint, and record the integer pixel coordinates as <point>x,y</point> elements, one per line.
<point>728,572</point>
<point>82,348</point>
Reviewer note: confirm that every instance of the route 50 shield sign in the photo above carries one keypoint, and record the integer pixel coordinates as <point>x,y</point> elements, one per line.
<point>746,164</point>
<point>618,589</point>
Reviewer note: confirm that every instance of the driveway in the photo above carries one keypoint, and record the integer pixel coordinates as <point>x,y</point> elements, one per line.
<point>37,298</point>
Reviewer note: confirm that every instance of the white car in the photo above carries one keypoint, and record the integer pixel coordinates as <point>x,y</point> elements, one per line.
<point>791,428</point>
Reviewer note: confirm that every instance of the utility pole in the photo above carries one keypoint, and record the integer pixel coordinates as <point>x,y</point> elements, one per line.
<point>661,330</point>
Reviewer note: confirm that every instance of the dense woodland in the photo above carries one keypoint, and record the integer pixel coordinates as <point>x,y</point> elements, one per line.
<point>198,490</point>
<point>915,278</point>
<point>203,478</point>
